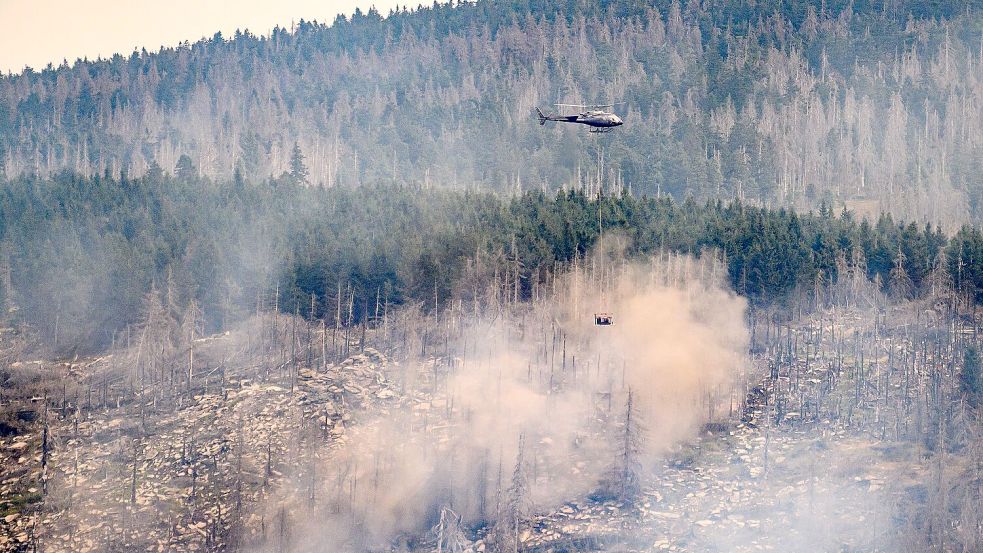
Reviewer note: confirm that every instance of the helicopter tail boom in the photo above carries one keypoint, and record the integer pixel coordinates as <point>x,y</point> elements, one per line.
<point>544,117</point>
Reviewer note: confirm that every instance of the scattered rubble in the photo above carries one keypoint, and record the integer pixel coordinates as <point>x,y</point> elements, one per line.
<point>802,467</point>
<point>190,483</point>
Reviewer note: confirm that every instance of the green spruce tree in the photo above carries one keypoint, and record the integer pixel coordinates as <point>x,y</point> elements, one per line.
<point>970,381</point>
<point>298,171</point>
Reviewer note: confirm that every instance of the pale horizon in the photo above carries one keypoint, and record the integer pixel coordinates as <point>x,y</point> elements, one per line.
<point>36,33</point>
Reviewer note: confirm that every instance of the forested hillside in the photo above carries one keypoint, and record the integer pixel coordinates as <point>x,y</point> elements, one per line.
<point>336,289</point>
<point>81,259</point>
<point>876,104</point>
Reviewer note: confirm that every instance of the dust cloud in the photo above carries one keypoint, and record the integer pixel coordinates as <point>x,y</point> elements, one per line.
<point>521,407</point>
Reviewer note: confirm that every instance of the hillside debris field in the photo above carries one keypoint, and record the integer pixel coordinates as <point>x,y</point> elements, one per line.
<point>472,434</point>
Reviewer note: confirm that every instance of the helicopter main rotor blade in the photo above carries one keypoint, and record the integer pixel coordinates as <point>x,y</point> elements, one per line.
<point>590,105</point>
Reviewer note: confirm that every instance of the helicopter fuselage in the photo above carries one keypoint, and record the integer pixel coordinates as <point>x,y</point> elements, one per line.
<point>592,118</point>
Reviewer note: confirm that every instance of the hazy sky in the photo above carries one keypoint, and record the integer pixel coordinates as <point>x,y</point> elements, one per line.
<point>35,32</point>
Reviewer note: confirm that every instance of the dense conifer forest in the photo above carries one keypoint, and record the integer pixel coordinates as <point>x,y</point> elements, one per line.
<point>79,255</point>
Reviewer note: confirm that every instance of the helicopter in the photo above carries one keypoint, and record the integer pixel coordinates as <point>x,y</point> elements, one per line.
<point>593,116</point>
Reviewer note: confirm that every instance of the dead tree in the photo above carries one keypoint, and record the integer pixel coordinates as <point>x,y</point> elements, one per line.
<point>449,533</point>
<point>622,482</point>
<point>514,509</point>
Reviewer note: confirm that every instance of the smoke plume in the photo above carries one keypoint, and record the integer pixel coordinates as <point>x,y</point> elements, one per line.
<point>520,408</point>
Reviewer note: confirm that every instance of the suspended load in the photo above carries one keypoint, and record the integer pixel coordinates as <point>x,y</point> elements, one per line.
<point>603,319</point>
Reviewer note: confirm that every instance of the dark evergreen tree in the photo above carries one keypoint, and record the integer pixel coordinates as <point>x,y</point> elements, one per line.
<point>185,170</point>
<point>970,379</point>
<point>298,171</point>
